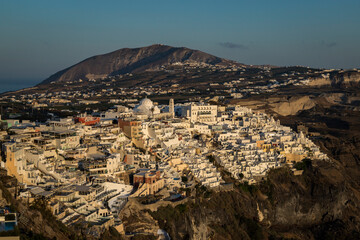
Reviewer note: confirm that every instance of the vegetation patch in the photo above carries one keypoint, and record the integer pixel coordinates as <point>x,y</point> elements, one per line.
<point>303,165</point>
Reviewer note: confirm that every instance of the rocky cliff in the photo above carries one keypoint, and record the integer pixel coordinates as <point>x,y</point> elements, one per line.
<point>337,79</point>
<point>292,105</point>
<point>320,204</point>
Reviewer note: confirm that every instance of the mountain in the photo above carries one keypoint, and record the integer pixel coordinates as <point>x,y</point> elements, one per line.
<point>132,60</point>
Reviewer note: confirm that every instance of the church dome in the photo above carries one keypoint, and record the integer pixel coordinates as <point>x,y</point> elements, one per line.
<point>146,103</point>
<point>146,107</point>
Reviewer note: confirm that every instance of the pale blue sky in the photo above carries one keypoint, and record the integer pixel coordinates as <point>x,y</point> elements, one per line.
<point>38,38</point>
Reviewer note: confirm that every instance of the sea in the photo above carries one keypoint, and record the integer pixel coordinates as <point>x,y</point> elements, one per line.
<point>13,85</point>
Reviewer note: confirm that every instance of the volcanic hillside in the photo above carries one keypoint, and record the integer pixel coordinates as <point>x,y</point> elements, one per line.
<point>134,60</point>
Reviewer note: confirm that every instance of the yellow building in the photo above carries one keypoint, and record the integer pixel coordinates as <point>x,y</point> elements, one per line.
<point>293,157</point>
<point>133,130</point>
<point>14,156</point>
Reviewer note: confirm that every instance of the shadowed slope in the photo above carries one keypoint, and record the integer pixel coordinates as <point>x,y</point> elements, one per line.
<point>133,60</point>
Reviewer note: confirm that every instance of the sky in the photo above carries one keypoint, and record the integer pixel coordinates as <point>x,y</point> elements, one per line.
<point>41,37</point>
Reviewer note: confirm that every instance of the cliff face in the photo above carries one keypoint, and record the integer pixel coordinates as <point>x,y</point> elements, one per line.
<point>320,204</point>
<point>220,215</point>
<point>337,79</point>
<point>293,105</point>
<point>133,60</point>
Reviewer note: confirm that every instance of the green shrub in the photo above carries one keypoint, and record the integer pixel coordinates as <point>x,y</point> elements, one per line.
<point>246,187</point>
<point>181,208</point>
<point>304,164</point>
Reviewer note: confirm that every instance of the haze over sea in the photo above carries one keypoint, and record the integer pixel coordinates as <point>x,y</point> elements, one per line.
<point>13,85</point>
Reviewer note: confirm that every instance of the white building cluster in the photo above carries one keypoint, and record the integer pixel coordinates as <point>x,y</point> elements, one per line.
<point>83,165</point>
<point>252,143</point>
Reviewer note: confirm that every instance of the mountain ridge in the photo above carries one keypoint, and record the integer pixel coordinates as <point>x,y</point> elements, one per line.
<point>133,60</point>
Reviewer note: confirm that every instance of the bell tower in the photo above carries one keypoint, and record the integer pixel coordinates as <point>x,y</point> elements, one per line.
<point>171,107</point>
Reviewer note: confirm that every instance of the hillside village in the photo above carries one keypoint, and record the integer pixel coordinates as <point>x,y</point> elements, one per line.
<point>87,167</point>
<point>165,120</point>
<point>202,83</point>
